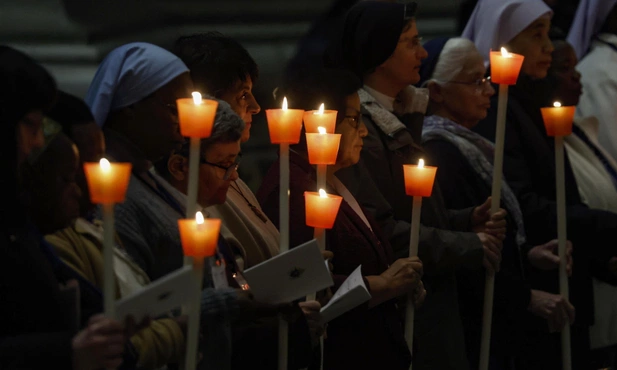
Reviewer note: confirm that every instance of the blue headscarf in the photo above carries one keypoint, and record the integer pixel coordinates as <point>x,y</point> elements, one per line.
<point>128,74</point>
<point>588,20</point>
<point>494,23</point>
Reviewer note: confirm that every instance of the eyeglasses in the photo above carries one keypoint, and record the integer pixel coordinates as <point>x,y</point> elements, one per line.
<point>354,121</point>
<point>229,170</point>
<point>480,84</point>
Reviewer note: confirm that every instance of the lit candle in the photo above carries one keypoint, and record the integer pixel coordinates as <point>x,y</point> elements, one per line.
<point>419,179</point>
<point>107,184</point>
<point>419,182</point>
<point>558,122</point>
<point>196,115</point>
<point>199,238</point>
<point>505,66</point>
<point>284,124</point>
<point>321,208</point>
<point>314,119</point>
<point>558,119</point>
<point>322,147</point>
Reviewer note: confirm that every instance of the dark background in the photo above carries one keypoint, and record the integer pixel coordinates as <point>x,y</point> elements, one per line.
<point>70,37</point>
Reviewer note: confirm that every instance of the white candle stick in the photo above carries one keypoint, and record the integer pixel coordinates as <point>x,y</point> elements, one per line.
<point>489,288</point>
<point>193,322</point>
<point>109,288</point>
<point>413,252</point>
<point>191,199</point>
<point>284,244</point>
<point>561,242</point>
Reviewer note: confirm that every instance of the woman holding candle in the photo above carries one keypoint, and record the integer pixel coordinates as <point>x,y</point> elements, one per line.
<point>460,97</point>
<point>33,337</point>
<point>371,335</point>
<point>80,245</point>
<point>254,326</point>
<point>522,27</point>
<point>386,52</point>
<point>222,67</point>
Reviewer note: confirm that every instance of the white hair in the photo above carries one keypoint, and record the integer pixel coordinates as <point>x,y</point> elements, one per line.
<point>452,59</point>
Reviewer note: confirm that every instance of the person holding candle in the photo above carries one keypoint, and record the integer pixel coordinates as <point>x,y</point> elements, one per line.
<point>593,34</point>
<point>386,53</point>
<point>225,69</point>
<point>371,335</point>
<point>522,26</point>
<point>460,96</point>
<point>80,245</point>
<point>254,327</point>
<point>31,337</point>
<point>596,176</point>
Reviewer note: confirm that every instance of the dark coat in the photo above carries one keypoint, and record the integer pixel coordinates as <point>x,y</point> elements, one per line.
<point>362,338</point>
<point>462,187</point>
<point>445,246</point>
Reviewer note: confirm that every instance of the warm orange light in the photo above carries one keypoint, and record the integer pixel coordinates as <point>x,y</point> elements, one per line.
<point>505,66</point>
<point>284,124</point>
<point>558,119</point>
<point>196,115</point>
<point>320,118</point>
<point>321,208</point>
<point>199,236</point>
<point>107,182</point>
<point>322,147</point>
<point>419,179</point>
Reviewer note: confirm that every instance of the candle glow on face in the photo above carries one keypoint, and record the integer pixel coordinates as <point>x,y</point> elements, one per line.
<point>196,97</point>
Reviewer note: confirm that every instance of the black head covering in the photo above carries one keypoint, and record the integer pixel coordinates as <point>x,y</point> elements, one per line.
<point>24,86</point>
<point>69,111</point>
<point>368,36</point>
<point>434,48</point>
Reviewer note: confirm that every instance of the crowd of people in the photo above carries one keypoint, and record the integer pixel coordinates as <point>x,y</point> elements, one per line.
<point>398,99</point>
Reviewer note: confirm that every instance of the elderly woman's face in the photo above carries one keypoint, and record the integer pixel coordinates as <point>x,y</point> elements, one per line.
<point>535,45</point>
<point>157,117</point>
<point>216,172</point>
<point>352,131</point>
<point>466,98</point>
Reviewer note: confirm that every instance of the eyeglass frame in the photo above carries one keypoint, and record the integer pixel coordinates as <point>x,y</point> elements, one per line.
<point>480,83</point>
<point>228,170</point>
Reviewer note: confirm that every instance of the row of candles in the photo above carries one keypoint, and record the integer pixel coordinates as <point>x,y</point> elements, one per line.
<point>108,182</point>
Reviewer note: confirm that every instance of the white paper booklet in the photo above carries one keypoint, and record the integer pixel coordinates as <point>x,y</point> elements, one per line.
<point>159,297</point>
<point>290,275</point>
<point>351,294</point>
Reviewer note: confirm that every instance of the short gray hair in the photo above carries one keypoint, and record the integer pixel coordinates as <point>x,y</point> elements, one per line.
<point>452,59</point>
<point>228,126</point>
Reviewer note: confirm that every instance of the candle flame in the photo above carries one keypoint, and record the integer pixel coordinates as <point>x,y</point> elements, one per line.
<point>421,163</point>
<point>322,130</point>
<point>504,53</point>
<point>556,104</point>
<point>105,165</point>
<point>285,103</point>
<point>199,218</point>
<point>321,109</point>
<point>322,193</point>
<point>196,97</point>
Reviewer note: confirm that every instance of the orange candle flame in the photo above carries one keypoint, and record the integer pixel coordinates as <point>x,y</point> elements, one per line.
<point>321,109</point>
<point>321,208</point>
<point>419,179</point>
<point>196,97</point>
<point>284,103</point>
<point>558,119</point>
<point>107,182</point>
<point>556,104</point>
<point>322,193</point>
<point>505,54</point>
